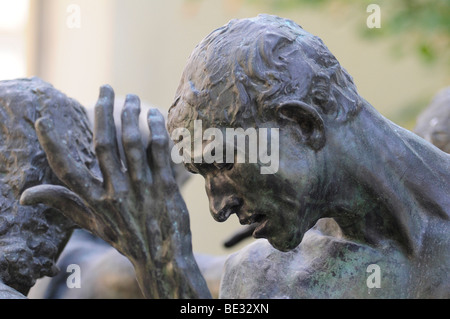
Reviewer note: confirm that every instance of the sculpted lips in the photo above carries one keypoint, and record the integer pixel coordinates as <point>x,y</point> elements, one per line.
<point>248,220</point>
<point>259,221</point>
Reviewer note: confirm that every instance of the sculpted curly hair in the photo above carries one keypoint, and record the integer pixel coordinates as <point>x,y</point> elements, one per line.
<point>31,238</point>
<point>240,72</point>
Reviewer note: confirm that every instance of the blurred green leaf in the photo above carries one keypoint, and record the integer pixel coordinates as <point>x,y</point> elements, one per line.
<point>427,52</point>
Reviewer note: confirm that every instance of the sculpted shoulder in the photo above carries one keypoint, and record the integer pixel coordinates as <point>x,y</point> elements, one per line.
<point>260,271</point>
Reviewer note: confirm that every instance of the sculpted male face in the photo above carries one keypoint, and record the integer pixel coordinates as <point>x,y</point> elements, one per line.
<point>266,72</point>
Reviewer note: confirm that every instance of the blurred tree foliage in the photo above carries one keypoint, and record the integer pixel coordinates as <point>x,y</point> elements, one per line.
<point>422,26</point>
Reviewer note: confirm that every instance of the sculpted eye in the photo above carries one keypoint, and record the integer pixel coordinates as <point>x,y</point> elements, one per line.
<point>226,166</point>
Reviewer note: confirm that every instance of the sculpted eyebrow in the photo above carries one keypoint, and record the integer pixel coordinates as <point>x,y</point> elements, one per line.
<point>197,168</point>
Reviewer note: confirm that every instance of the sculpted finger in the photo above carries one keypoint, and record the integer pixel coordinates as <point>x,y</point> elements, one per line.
<point>105,140</point>
<point>158,151</point>
<point>61,198</point>
<point>70,171</point>
<point>134,150</point>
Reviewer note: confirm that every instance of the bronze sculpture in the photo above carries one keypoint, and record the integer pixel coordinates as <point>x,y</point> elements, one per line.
<point>433,123</point>
<point>31,238</point>
<point>386,189</point>
<point>342,160</point>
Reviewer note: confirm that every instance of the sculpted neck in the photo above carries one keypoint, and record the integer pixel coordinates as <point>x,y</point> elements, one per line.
<point>392,182</point>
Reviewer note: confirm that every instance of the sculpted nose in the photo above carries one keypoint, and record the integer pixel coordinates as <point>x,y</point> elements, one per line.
<point>222,200</point>
<point>226,207</point>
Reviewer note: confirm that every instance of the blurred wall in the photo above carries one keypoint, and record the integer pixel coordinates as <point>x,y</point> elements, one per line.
<point>75,60</point>
<point>140,46</point>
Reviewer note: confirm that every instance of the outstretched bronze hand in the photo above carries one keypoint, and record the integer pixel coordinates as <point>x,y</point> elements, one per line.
<point>138,209</point>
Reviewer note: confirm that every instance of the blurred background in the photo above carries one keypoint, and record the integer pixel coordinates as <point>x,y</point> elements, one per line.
<point>141,46</point>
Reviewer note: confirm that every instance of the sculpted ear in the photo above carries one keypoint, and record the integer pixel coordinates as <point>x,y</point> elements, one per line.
<point>309,122</point>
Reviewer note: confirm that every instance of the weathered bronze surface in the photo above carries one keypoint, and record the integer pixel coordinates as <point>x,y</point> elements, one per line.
<point>31,238</point>
<point>386,189</point>
<point>353,190</point>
